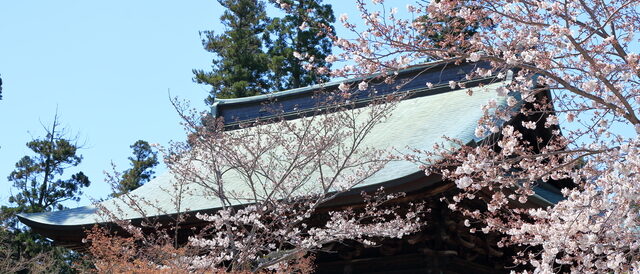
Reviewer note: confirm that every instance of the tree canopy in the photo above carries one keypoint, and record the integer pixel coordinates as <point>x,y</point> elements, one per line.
<point>240,63</point>
<point>257,54</point>
<point>143,161</point>
<point>40,187</point>
<point>38,178</point>
<point>302,33</point>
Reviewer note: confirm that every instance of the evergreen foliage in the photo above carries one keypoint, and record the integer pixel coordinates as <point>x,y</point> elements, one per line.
<point>28,252</point>
<point>288,71</point>
<point>40,188</point>
<point>255,54</point>
<point>37,178</point>
<point>143,161</point>
<point>240,65</point>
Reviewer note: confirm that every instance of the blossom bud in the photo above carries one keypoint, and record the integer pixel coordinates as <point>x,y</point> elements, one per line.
<point>363,85</point>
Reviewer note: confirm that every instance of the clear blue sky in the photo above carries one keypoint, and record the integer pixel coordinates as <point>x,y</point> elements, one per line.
<point>106,66</point>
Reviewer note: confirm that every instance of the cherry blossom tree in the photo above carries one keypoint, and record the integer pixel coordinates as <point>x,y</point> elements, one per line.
<point>574,71</point>
<point>271,181</point>
<point>569,119</point>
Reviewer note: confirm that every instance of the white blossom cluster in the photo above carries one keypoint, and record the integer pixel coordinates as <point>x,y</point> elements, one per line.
<point>273,176</point>
<point>572,71</point>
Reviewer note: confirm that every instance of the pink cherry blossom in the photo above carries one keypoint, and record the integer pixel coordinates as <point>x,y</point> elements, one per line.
<point>583,55</point>
<point>363,85</point>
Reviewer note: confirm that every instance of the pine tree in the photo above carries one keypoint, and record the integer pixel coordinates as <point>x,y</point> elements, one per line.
<point>255,55</point>
<point>40,187</point>
<point>240,65</point>
<point>300,31</point>
<point>37,178</point>
<point>143,161</point>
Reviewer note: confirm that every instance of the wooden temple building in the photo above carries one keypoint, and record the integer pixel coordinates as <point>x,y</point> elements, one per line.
<point>445,245</point>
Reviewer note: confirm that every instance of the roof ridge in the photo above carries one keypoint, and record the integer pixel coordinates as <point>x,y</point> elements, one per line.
<point>302,90</point>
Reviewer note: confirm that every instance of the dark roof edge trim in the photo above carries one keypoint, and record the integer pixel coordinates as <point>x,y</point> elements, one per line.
<point>414,93</point>
<point>302,90</point>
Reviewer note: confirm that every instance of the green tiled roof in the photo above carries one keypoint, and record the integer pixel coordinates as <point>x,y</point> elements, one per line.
<point>418,122</point>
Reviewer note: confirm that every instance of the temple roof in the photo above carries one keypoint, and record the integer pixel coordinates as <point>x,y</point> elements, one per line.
<point>418,122</point>
<point>296,101</point>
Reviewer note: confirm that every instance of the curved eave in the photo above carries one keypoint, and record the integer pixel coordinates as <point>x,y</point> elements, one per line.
<point>71,236</point>
<point>38,225</point>
<point>406,183</point>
